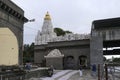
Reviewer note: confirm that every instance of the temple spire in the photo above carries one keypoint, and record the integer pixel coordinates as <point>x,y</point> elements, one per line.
<point>47,16</point>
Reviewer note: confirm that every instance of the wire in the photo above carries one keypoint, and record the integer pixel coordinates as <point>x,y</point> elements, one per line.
<point>30,28</point>
<point>24,34</point>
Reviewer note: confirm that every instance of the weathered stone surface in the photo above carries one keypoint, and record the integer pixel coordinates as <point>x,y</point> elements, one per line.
<point>56,62</point>
<point>68,48</point>
<point>96,50</point>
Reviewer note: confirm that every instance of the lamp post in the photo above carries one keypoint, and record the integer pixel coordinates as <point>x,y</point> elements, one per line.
<point>30,20</point>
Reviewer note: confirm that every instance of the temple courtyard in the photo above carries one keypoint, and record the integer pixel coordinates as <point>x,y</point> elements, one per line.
<point>69,75</point>
<point>75,75</point>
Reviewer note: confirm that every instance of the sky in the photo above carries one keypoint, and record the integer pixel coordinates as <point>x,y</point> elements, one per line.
<point>72,15</point>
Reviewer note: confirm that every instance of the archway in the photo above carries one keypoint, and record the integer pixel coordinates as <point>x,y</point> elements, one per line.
<point>83,61</point>
<point>8,47</point>
<point>69,62</point>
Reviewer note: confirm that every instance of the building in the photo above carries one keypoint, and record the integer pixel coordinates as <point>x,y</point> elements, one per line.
<point>72,50</point>
<point>69,50</point>
<point>11,33</point>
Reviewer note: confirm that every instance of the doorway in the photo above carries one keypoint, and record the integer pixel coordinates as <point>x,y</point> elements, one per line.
<point>83,61</point>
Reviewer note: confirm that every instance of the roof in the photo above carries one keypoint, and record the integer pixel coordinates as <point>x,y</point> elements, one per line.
<point>47,16</point>
<point>12,9</point>
<point>107,23</point>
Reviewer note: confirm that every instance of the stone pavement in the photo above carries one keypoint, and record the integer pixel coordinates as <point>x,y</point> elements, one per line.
<point>72,75</point>
<point>69,75</point>
<point>86,76</point>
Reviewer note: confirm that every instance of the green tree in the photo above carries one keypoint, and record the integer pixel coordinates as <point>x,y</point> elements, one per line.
<point>104,58</point>
<point>116,60</point>
<point>60,31</point>
<point>68,32</point>
<point>28,53</point>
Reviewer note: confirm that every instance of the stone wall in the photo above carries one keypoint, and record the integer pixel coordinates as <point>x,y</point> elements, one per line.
<point>26,75</point>
<point>73,48</point>
<point>56,62</point>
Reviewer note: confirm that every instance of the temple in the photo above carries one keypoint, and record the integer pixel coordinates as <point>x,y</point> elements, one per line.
<point>44,51</point>
<point>72,50</point>
<point>48,35</point>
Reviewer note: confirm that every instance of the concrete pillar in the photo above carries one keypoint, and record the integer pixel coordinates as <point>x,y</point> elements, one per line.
<point>96,50</point>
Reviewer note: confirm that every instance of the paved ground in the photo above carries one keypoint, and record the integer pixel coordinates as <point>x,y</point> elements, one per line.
<point>69,75</point>
<point>86,76</point>
<point>74,75</point>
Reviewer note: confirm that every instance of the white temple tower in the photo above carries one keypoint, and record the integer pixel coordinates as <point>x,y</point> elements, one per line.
<point>47,34</point>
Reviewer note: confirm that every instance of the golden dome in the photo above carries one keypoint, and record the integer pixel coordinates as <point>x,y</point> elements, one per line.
<point>47,16</point>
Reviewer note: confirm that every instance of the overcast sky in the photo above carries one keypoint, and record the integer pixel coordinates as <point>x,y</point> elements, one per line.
<point>72,15</point>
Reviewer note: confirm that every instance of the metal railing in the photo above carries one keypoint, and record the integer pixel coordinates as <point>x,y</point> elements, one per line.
<point>109,72</point>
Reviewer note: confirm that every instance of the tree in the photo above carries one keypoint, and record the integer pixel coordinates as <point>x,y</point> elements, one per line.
<point>117,60</point>
<point>68,32</point>
<point>28,53</point>
<point>60,31</point>
<point>104,58</point>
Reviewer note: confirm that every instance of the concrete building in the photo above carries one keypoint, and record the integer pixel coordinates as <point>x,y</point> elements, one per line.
<point>11,33</point>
